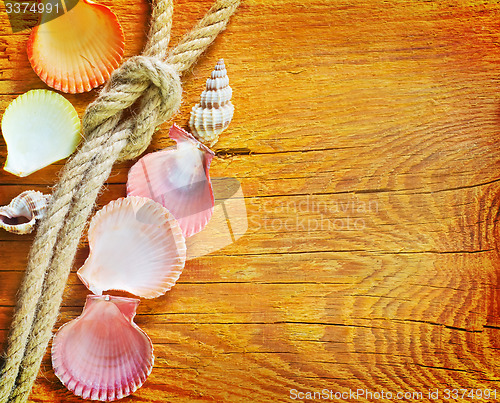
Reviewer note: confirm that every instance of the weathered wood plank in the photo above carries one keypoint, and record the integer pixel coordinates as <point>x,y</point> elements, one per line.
<point>365,139</point>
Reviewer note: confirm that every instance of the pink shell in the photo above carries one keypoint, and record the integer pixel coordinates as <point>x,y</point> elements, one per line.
<point>136,245</point>
<point>78,50</point>
<point>102,354</point>
<point>179,179</point>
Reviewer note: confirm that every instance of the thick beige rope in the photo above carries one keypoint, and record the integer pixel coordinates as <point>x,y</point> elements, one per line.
<point>153,81</point>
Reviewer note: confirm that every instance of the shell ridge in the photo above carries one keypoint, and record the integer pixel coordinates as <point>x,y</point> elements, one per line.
<point>30,205</point>
<point>112,369</point>
<point>97,37</point>
<point>153,246</point>
<point>179,179</point>
<point>39,128</point>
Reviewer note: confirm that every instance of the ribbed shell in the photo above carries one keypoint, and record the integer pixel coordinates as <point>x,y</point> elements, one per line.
<point>212,115</point>
<point>136,245</point>
<point>103,355</point>
<point>178,178</point>
<point>22,213</point>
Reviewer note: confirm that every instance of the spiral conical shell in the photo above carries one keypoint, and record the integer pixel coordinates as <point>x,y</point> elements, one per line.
<point>212,115</point>
<point>22,213</point>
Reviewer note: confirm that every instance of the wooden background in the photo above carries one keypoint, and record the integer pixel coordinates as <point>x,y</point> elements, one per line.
<point>366,140</point>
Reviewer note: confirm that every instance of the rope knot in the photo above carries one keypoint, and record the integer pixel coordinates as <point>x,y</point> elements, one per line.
<point>147,80</point>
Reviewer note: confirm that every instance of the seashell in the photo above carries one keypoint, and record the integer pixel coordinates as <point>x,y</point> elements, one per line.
<point>179,179</point>
<point>102,354</point>
<point>40,127</point>
<point>22,213</point>
<point>75,50</point>
<point>212,115</point>
<point>136,245</point>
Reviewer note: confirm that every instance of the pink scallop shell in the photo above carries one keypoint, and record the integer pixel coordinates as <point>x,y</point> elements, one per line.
<point>102,354</point>
<point>136,245</point>
<point>179,179</point>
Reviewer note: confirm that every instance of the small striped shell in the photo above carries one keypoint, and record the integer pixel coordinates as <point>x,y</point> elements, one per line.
<point>212,115</point>
<point>22,213</point>
<point>136,245</point>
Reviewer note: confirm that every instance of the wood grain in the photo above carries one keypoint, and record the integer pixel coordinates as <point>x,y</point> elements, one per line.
<point>365,139</point>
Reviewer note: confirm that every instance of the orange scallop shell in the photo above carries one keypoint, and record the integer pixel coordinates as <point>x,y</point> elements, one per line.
<point>76,51</point>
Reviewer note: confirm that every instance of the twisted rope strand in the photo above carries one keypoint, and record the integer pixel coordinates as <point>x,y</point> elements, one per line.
<point>107,138</point>
<point>159,31</point>
<point>196,41</point>
<point>40,258</point>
